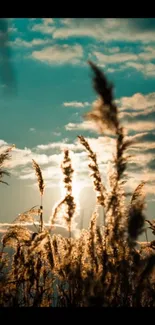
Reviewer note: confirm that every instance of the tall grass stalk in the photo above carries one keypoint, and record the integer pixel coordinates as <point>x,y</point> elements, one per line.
<point>41,189</point>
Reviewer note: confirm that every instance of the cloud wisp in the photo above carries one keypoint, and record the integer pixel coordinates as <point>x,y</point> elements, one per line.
<point>59,54</point>
<point>76,104</point>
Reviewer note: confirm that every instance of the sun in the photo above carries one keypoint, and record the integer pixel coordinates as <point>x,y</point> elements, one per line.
<point>76,189</point>
<point>77,186</point>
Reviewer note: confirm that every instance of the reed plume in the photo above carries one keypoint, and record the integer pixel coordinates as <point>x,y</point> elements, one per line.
<point>105,115</point>
<point>99,187</point>
<point>136,217</point>
<point>39,177</point>
<point>3,157</point>
<point>27,216</point>
<point>14,235</point>
<point>41,189</point>
<point>104,112</point>
<point>67,170</point>
<point>68,202</point>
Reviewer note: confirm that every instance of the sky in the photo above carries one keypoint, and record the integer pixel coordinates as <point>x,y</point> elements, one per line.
<point>51,90</point>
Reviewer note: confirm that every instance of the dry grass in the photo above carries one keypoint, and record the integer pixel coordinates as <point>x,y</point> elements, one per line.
<point>5,155</point>
<point>105,266</point>
<point>99,187</point>
<point>41,189</point>
<point>66,207</point>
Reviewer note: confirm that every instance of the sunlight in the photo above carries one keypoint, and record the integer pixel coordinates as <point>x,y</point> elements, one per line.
<point>76,189</point>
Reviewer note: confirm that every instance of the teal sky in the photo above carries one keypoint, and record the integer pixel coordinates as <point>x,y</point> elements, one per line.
<point>52,91</point>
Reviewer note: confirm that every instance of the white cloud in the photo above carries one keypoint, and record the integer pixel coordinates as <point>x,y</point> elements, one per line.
<point>148,53</point>
<point>19,157</point>
<point>102,29</point>
<point>18,42</point>
<point>106,29</point>
<point>23,157</point>
<point>56,133</point>
<point>85,125</point>
<point>135,113</point>
<point>114,49</point>
<point>12,29</point>
<point>64,33</point>
<point>136,65</point>
<point>136,177</point>
<point>59,145</point>
<point>140,145</point>
<point>49,173</point>
<point>111,70</point>
<point>138,101</point>
<point>48,21</point>
<point>137,137</point>
<point>91,126</point>
<point>32,129</point>
<point>58,54</point>
<point>104,146</point>
<point>114,58</point>
<point>148,69</point>
<point>76,104</point>
<point>138,126</point>
<point>2,143</point>
<point>141,159</point>
<point>139,61</point>
<point>44,27</point>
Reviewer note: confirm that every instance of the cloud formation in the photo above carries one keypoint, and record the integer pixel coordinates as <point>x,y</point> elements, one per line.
<point>114,42</point>
<point>45,27</point>
<point>138,101</point>
<point>59,54</point>
<point>137,112</point>
<point>76,104</point>
<point>19,42</point>
<point>105,29</point>
<point>85,125</point>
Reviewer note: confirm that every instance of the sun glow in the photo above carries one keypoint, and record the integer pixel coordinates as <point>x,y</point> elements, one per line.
<point>76,189</point>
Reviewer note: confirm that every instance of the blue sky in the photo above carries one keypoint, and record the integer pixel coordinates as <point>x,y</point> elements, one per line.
<point>53,91</point>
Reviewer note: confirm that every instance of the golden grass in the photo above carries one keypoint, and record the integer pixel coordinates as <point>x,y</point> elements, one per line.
<point>104,266</point>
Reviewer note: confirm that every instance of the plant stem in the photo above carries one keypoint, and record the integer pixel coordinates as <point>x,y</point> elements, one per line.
<point>41,215</point>
<point>103,217</point>
<point>146,235</point>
